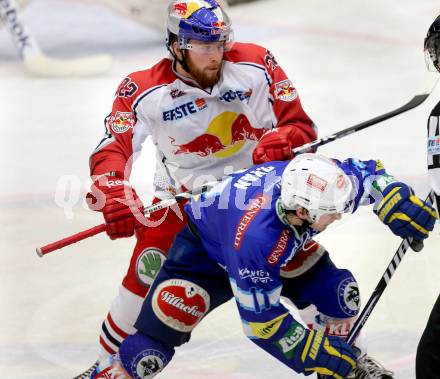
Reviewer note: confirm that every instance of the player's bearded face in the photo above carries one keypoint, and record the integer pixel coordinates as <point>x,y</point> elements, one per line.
<point>205,62</point>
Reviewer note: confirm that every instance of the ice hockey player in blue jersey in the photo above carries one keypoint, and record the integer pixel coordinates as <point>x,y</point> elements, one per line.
<point>239,235</point>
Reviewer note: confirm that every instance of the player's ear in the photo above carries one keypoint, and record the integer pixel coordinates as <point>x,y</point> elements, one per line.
<point>177,50</point>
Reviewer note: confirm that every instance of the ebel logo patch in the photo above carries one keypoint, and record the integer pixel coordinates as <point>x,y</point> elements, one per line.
<point>185,110</point>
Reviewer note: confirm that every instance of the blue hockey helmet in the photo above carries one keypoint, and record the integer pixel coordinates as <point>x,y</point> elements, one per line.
<point>202,20</point>
<point>432,46</point>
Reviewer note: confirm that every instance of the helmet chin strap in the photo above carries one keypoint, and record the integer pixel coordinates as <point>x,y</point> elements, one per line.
<point>282,214</point>
<point>182,61</point>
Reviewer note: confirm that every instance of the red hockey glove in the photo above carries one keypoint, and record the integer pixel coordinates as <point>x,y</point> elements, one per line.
<point>119,203</point>
<point>277,144</point>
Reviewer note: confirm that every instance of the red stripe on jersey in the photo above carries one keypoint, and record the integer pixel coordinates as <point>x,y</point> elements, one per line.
<point>106,347</point>
<point>116,328</point>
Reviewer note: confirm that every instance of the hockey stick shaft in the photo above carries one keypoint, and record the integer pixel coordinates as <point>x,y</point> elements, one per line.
<point>35,60</point>
<point>383,282</point>
<point>23,39</point>
<point>414,102</point>
<point>41,251</point>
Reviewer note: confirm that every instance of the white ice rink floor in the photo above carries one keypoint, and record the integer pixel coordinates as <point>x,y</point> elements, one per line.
<point>350,61</point>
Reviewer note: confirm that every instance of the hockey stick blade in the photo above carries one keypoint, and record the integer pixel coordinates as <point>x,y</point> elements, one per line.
<point>416,245</point>
<point>42,65</point>
<point>413,103</point>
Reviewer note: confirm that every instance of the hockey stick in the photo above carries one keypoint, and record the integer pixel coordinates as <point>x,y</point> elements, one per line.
<point>429,86</point>
<point>383,283</point>
<point>386,277</point>
<point>41,251</point>
<point>36,61</point>
<point>414,102</point>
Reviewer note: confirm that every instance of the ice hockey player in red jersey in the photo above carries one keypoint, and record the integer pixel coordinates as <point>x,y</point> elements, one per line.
<point>210,108</point>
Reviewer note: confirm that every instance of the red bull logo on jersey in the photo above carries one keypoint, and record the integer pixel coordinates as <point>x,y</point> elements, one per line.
<point>185,110</point>
<point>226,134</point>
<point>285,91</point>
<point>122,121</point>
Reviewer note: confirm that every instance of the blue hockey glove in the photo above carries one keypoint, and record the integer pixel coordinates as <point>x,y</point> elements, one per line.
<point>326,355</point>
<point>404,213</point>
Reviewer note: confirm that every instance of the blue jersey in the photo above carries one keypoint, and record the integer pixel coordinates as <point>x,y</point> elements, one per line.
<point>242,228</point>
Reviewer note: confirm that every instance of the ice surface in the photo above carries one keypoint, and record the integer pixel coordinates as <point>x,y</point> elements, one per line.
<point>350,61</point>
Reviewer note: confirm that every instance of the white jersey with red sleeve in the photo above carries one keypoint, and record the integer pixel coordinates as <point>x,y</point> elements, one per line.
<point>199,135</point>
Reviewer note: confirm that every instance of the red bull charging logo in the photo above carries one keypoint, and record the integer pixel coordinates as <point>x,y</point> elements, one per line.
<point>285,91</point>
<point>226,134</point>
<point>122,121</point>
